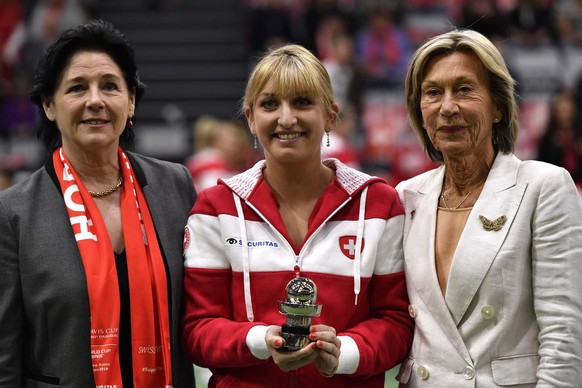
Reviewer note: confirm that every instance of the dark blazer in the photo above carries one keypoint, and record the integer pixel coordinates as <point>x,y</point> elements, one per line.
<point>44,305</point>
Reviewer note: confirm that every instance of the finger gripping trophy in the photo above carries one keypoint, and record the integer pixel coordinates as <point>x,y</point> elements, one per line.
<point>299,308</point>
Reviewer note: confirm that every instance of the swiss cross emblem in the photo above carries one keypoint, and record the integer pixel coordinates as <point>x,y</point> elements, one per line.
<point>347,245</point>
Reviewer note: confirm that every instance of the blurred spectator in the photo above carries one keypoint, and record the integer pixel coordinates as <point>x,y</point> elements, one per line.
<point>48,19</point>
<point>269,25</point>
<point>486,17</point>
<point>5,179</point>
<point>383,49</point>
<point>422,22</point>
<point>328,30</point>
<point>18,116</point>
<point>11,15</point>
<point>323,20</point>
<point>483,16</point>
<point>427,5</point>
<point>222,149</point>
<point>9,165</point>
<point>340,145</point>
<point>347,77</point>
<point>531,24</point>
<point>569,19</point>
<point>561,143</point>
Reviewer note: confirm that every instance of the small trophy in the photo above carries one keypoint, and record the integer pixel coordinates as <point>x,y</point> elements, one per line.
<point>299,308</point>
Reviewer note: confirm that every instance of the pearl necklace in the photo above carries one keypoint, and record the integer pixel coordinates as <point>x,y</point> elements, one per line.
<point>108,191</point>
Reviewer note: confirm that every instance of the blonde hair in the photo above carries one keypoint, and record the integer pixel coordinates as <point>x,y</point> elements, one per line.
<point>501,85</point>
<point>293,70</point>
<point>205,128</point>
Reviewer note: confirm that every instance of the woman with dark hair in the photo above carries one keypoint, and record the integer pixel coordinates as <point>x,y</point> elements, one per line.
<point>91,243</point>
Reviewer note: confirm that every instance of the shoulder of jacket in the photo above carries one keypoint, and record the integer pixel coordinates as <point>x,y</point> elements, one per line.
<point>152,168</point>
<point>148,161</point>
<point>244,183</point>
<point>416,181</point>
<point>536,168</point>
<point>350,179</point>
<point>25,187</point>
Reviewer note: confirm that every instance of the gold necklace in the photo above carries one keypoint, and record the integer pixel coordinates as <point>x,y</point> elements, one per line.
<point>459,204</point>
<point>108,191</point>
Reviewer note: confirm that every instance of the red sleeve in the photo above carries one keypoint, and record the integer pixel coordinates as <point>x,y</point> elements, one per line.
<point>210,337</point>
<point>385,338</point>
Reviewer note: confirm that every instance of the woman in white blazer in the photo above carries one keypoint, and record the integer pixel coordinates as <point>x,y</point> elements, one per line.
<point>492,244</point>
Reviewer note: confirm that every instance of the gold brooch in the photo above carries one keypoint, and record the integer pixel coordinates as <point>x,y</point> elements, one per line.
<point>492,225</point>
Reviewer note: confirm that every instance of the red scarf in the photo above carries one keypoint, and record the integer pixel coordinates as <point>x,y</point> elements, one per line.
<point>148,291</point>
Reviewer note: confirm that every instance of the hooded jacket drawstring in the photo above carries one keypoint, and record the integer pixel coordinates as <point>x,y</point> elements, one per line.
<point>245,259</point>
<point>359,238</point>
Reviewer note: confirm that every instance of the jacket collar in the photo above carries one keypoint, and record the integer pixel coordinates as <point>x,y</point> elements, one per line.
<point>501,197</point>
<point>252,189</point>
<point>348,178</point>
<point>477,247</point>
<point>139,173</point>
<point>137,169</point>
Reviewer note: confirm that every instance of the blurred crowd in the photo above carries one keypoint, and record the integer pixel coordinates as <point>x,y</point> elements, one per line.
<point>26,29</point>
<point>365,45</point>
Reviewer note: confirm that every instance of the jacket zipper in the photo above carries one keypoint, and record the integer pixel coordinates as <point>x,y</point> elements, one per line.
<point>297,265</point>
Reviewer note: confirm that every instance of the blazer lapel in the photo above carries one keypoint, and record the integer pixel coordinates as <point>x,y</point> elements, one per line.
<point>419,243</point>
<point>155,201</point>
<point>419,239</point>
<point>478,246</point>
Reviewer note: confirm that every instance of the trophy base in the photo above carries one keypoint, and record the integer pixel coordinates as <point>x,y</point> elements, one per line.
<point>296,337</point>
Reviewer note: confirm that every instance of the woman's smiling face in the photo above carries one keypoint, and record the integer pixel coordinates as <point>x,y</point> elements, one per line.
<point>289,127</point>
<point>458,109</point>
<point>91,103</point>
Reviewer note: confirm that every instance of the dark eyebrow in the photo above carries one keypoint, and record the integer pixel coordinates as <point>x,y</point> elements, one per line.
<point>106,76</point>
<point>74,79</point>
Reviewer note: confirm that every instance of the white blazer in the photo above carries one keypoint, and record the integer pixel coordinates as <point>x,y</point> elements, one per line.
<point>512,315</point>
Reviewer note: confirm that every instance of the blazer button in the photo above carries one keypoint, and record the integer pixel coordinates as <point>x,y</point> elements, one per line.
<point>422,372</point>
<point>487,312</point>
<point>412,311</point>
<point>468,372</point>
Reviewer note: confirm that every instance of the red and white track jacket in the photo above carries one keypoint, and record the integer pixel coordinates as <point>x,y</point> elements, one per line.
<point>239,258</point>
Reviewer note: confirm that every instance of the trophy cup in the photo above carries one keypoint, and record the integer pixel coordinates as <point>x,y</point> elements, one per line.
<point>299,308</point>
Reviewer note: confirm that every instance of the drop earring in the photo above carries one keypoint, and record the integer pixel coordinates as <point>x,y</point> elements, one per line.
<point>256,145</point>
<point>328,143</point>
<point>130,123</point>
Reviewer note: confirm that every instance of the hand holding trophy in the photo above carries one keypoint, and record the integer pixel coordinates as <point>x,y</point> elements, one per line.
<point>299,308</point>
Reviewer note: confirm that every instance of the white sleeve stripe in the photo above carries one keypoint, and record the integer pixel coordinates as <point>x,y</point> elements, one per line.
<point>349,358</point>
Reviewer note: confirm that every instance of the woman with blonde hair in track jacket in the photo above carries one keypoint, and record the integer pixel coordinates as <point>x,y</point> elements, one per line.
<point>294,214</point>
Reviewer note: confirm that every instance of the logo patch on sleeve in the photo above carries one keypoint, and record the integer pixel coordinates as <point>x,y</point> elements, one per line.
<point>186,242</point>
